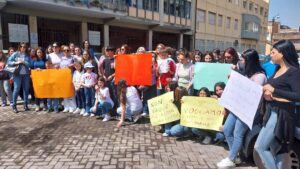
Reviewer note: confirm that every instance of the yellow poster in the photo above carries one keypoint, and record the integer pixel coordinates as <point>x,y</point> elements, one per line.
<point>201,112</point>
<point>162,110</point>
<point>52,83</point>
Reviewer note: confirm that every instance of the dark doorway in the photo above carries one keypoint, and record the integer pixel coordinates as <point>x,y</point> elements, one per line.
<point>168,39</point>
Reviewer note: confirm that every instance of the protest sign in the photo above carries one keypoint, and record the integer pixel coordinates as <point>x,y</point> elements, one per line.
<point>201,112</point>
<point>208,74</point>
<point>162,110</point>
<point>52,83</point>
<point>242,97</point>
<point>136,69</point>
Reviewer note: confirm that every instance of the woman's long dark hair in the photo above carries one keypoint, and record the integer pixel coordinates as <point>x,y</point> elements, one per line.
<point>178,94</point>
<point>220,84</point>
<point>121,90</point>
<point>252,64</point>
<point>287,49</point>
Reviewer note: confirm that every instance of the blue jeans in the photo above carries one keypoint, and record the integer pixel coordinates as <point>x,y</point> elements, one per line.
<point>199,132</point>
<point>175,130</point>
<point>80,99</point>
<point>53,103</point>
<point>128,112</point>
<point>89,94</point>
<point>5,89</point>
<point>23,80</point>
<point>113,92</point>
<point>234,130</point>
<point>148,94</point>
<point>103,108</point>
<point>38,101</point>
<point>264,140</point>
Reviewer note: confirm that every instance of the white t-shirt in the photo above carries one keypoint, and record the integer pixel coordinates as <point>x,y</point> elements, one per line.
<point>104,92</point>
<point>132,99</point>
<point>55,58</point>
<point>77,76</point>
<point>89,78</point>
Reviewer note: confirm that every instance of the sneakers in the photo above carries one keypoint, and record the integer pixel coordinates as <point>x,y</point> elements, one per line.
<point>86,114</point>
<point>145,115</point>
<point>226,163</point>
<point>3,104</point>
<point>136,118</point>
<point>207,140</point>
<point>82,112</point>
<point>165,135</point>
<point>65,110</point>
<point>71,110</point>
<point>106,118</point>
<point>92,115</point>
<point>77,111</point>
<point>37,108</point>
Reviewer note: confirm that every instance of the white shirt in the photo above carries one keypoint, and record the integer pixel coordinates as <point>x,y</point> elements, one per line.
<point>132,99</point>
<point>77,76</point>
<point>55,58</point>
<point>105,93</point>
<point>89,78</point>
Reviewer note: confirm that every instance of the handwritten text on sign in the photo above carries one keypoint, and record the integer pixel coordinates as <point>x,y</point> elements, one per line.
<point>162,109</point>
<point>201,112</point>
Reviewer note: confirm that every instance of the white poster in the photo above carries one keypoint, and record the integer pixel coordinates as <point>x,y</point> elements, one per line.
<point>18,32</point>
<point>163,65</point>
<point>94,38</point>
<point>242,97</point>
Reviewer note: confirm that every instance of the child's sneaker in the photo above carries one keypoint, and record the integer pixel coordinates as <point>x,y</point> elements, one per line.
<point>77,111</point>
<point>82,112</point>
<point>85,114</point>
<point>165,135</point>
<point>92,115</point>
<point>71,110</point>
<point>226,163</point>
<point>65,110</point>
<point>106,118</point>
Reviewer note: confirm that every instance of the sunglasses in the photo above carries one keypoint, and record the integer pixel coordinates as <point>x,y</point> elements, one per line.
<point>67,50</point>
<point>23,46</point>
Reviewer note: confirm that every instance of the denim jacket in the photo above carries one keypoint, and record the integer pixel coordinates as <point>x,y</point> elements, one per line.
<point>14,58</point>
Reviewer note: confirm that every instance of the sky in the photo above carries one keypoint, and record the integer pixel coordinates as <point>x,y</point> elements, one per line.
<point>288,11</point>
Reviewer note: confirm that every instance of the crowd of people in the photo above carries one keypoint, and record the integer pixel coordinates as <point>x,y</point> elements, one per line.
<point>97,95</point>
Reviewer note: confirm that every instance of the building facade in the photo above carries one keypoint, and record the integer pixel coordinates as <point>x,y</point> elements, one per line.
<point>241,24</point>
<point>102,22</point>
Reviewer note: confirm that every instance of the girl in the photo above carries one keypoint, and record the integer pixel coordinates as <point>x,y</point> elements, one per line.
<point>39,63</point>
<point>234,128</point>
<point>79,91</point>
<point>103,102</point>
<point>130,102</point>
<point>5,88</point>
<point>88,81</point>
<point>174,128</point>
<point>208,57</point>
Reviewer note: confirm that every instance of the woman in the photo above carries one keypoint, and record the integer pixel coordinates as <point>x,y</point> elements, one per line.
<point>48,51</point>
<point>5,88</point>
<point>184,74</point>
<point>130,102</point>
<point>230,56</point>
<point>67,61</point>
<point>21,59</point>
<point>39,64</point>
<point>234,128</point>
<point>86,46</point>
<point>124,49</point>
<point>77,54</point>
<point>281,92</point>
<point>86,57</point>
<point>208,57</point>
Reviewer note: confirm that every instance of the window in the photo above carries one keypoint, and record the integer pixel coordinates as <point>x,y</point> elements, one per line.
<point>166,7</point>
<point>211,18</point>
<point>177,8</point>
<point>256,8</point>
<point>236,24</point>
<point>140,4</point>
<point>220,20</point>
<point>228,20</point>
<point>261,11</point>
<point>172,7</point>
<point>250,6</point>
<point>155,5</point>
<point>266,13</point>
<point>187,10</point>
<point>201,16</point>
<point>252,27</point>
<point>245,4</point>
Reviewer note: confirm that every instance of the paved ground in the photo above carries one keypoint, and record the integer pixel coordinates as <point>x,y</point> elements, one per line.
<point>41,140</point>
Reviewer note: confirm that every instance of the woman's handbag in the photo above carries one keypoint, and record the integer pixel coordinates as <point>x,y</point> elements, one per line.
<point>14,70</point>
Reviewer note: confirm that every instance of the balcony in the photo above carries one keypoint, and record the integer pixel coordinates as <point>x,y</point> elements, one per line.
<point>251,27</point>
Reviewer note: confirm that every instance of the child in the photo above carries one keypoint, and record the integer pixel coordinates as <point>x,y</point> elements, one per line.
<point>51,103</point>
<point>88,81</point>
<point>79,91</point>
<point>174,128</point>
<point>103,101</point>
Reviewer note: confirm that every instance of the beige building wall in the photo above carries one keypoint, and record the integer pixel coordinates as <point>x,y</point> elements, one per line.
<point>221,34</point>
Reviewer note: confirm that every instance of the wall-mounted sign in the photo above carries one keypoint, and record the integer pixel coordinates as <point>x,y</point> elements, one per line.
<point>18,32</point>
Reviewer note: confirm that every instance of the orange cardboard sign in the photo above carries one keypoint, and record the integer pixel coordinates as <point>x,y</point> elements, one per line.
<point>52,83</point>
<point>136,69</point>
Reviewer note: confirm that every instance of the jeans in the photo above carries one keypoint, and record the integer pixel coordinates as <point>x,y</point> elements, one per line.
<point>89,94</point>
<point>103,108</point>
<point>70,103</point>
<point>264,140</point>
<point>113,92</point>
<point>23,80</point>
<point>148,94</point>
<point>234,130</point>
<point>175,130</point>
<point>5,90</point>
<point>54,103</point>
<point>128,112</point>
<point>80,99</point>
<point>199,132</point>
<point>160,91</point>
